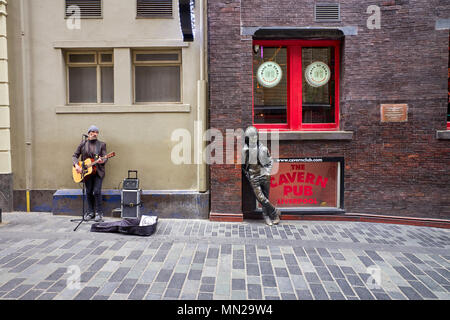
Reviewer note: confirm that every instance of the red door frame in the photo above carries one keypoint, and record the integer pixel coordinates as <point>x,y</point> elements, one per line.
<point>294,98</point>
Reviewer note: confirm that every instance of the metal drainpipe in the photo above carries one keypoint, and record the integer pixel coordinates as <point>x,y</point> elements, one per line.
<point>26,102</point>
<point>201,103</point>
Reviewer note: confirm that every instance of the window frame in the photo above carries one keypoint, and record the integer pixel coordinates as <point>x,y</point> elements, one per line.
<point>98,63</point>
<point>294,110</point>
<point>162,63</point>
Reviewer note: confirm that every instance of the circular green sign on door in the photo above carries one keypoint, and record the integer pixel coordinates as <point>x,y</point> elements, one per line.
<point>317,74</point>
<point>269,74</point>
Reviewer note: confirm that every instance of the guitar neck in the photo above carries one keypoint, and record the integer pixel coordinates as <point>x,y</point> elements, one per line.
<point>109,155</point>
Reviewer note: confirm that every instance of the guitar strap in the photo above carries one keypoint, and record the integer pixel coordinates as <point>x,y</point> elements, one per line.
<point>97,149</point>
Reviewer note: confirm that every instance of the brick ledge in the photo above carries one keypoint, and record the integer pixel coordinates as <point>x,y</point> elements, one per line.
<point>360,217</point>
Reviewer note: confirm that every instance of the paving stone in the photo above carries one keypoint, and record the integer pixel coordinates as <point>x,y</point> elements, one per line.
<point>172,293</point>
<point>177,281</point>
<point>284,285</point>
<point>253,270</point>
<point>163,275</point>
<point>422,290</point>
<point>336,296</point>
<point>206,288</point>
<point>18,291</point>
<point>437,277</point>
<point>266,268</point>
<point>47,296</point>
<point>281,272</point>
<point>238,284</point>
<point>312,277</point>
<point>56,274</point>
<point>363,293</point>
<point>86,293</point>
<point>268,281</point>
<point>10,285</point>
<point>410,293</point>
<point>208,280</point>
<point>318,291</point>
<point>405,273</point>
<point>205,296</point>
<point>31,295</point>
<point>139,291</point>
<point>254,291</point>
<point>238,264</point>
<point>126,286</point>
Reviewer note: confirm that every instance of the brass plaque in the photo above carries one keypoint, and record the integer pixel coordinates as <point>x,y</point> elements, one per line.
<point>394,113</point>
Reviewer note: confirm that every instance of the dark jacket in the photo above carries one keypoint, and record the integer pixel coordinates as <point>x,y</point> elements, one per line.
<point>91,149</point>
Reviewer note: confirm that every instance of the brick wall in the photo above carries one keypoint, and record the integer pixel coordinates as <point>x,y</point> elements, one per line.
<point>391,168</point>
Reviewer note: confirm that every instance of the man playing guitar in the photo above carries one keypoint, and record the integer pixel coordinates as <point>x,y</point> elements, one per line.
<point>94,149</point>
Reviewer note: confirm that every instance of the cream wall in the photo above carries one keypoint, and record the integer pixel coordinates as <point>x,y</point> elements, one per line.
<point>140,135</point>
<point>5,140</point>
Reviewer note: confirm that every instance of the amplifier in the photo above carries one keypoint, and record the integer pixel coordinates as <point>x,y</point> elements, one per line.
<point>131,183</point>
<point>131,203</point>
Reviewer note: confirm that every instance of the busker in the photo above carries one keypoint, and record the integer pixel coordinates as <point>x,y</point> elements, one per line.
<point>94,149</point>
<point>257,167</point>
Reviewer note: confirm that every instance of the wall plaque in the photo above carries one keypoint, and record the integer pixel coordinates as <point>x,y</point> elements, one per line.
<point>394,113</point>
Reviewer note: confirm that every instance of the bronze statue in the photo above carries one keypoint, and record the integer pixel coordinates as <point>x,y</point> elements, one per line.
<point>257,166</point>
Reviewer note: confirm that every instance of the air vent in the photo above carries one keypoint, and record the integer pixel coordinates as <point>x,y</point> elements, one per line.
<point>327,12</point>
<point>88,8</point>
<point>154,8</point>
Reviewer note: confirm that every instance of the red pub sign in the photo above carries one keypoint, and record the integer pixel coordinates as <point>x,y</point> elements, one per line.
<point>306,182</point>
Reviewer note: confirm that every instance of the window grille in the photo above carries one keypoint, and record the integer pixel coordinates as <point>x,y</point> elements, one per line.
<point>327,12</point>
<point>154,8</point>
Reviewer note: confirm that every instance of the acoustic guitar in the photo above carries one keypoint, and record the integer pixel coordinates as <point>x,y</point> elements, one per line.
<point>88,167</point>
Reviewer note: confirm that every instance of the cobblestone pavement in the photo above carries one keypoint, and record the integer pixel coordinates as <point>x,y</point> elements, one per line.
<point>41,257</point>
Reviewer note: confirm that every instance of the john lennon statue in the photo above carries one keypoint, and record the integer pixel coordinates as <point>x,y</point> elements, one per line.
<point>257,166</point>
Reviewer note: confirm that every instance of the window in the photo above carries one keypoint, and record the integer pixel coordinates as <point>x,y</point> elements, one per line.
<point>296,84</point>
<point>85,8</point>
<point>90,77</point>
<point>157,76</point>
<point>154,9</point>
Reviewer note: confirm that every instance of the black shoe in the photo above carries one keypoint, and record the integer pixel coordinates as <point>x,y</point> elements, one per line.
<point>89,216</point>
<point>98,217</point>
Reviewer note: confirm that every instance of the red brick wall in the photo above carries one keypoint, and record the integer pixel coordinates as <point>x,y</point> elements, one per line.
<point>391,168</point>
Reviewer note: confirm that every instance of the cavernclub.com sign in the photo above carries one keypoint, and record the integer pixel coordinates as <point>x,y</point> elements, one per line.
<point>305,182</point>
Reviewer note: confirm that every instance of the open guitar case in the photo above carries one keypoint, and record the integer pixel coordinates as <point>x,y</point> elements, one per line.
<point>144,226</point>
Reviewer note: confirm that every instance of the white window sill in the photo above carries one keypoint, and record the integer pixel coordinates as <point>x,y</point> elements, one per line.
<point>136,108</point>
<point>310,135</point>
<point>131,43</point>
<point>443,134</point>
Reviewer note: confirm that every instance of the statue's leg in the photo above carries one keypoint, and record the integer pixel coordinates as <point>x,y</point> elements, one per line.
<point>262,199</point>
<point>272,212</point>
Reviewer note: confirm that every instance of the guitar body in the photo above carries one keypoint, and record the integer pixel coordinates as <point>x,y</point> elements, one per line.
<point>78,177</point>
<point>88,166</point>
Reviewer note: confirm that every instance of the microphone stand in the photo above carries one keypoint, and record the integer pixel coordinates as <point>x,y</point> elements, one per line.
<point>83,167</point>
